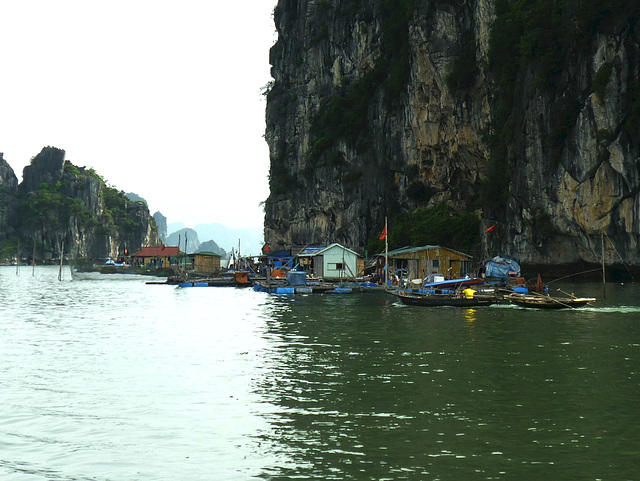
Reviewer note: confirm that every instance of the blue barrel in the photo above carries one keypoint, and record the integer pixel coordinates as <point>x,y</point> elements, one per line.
<point>285,290</point>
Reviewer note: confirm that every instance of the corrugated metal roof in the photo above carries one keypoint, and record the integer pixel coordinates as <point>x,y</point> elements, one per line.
<point>335,244</point>
<point>310,251</point>
<point>407,250</point>
<point>160,251</point>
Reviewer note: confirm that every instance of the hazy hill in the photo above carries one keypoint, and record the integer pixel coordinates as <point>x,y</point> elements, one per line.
<point>178,239</point>
<point>225,238</point>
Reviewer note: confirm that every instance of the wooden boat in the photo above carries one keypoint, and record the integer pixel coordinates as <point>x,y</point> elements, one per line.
<point>434,300</point>
<point>232,279</point>
<point>547,302</point>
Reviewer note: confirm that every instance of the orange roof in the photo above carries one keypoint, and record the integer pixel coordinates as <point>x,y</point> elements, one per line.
<point>160,251</point>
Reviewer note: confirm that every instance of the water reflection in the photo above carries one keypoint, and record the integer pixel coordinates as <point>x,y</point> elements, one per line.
<point>470,316</point>
<point>361,388</point>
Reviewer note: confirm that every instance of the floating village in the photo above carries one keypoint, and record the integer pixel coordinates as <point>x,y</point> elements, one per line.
<point>430,275</point>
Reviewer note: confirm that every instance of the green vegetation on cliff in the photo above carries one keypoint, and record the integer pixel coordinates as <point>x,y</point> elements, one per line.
<point>439,225</point>
<point>344,115</point>
<point>59,204</point>
<point>545,37</point>
<point>51,207</point>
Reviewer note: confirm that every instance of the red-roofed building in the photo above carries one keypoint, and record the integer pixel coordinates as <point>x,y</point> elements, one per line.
<point>160,256</point>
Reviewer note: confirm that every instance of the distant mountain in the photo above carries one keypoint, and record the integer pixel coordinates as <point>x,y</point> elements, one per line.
<point>175,227</point>
<point>178,239</point>
<point>161,224</point>
<point>250,239</point>
<point>225,238</point>
<point>211,246</point>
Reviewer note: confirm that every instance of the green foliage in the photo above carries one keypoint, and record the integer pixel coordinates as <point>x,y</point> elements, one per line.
<point>395,16</point>
<point>412,171</point>
<point>464,69</point>
<point>417,191</point>
<point>117,212</point>
<point>542,228</point>
<point>9,248</point>
<point>72,169</point>
<point>438,225</point>
<point>281,180</point>
<point>602,79</point>
<point>50,206</point>
<point>345,115</point>
<point>631,123</point>
<point>564,120</point>
<point>542,34</point>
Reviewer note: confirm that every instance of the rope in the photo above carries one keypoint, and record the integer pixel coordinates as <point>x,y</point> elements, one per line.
<point>576,274</point>
<point>621,259</point>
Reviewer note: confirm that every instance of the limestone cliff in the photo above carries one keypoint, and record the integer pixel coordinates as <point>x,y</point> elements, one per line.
<point>59,205</point>
<point>381,107</point>
<point>8,190</point>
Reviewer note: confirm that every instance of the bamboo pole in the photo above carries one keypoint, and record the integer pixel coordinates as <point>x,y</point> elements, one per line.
<point>61,259</point>
<point>386,255</point>
<point>604,290</point>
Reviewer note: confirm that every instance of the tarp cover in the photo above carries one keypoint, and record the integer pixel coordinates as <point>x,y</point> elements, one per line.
<point>502,267</point>
<point>297,278</point>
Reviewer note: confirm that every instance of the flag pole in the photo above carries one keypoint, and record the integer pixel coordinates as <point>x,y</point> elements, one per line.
<point>386,255</point>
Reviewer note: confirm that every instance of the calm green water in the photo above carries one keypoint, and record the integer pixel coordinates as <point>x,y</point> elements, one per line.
<point>118,380</point>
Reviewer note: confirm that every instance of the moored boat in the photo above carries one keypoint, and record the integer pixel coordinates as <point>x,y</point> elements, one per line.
<point>444,299</point>
<point>547,302</point>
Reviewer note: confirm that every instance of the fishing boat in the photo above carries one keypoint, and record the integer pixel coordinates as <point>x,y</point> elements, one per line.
<point>297,282</point>
<point>231,279</point>
<point>537,301</point>
<point>455,299</point>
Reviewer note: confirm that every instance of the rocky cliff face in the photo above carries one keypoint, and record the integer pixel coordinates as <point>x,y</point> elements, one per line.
<point>8,190</point>
<point>161,224</point>
<point>60,206</point>
<point>381,107</point>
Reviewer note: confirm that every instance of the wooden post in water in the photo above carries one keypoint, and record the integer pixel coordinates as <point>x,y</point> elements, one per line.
<point>33,258</point>
<point>604,291</point>
<point>61,258</point>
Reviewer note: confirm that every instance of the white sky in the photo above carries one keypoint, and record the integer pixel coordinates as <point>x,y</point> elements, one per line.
<point>162,98</point>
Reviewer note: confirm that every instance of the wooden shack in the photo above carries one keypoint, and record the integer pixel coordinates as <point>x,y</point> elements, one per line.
<point>419,262</point>
<point>206,262</point>
<point>334,262</point>
<point>156,257</point>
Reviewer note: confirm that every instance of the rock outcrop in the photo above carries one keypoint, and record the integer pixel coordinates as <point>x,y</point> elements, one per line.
<point>59,206</point>
<point>8,190</point>
<point>380,107</point>
<point>161,224</point>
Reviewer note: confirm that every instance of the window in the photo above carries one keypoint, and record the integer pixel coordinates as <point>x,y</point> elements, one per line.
<point>336,267</point>
<point>436,263</point>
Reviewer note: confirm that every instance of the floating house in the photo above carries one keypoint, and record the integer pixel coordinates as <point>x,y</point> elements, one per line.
<point>205,262</point>
<point>419,262</point>
<point>334,262</point>
<point>156,257</point>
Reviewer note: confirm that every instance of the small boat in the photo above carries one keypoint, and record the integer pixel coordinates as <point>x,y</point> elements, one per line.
<point>444,299</point>
<point>547,302</point>
<point>232,279</point>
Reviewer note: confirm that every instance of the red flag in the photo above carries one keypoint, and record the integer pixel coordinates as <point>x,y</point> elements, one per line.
<point>383,236</point>
<point>490,229</point>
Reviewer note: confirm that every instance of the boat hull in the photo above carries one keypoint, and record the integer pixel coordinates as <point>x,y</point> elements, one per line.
<point>547,302</point>
<point>438,300</point>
